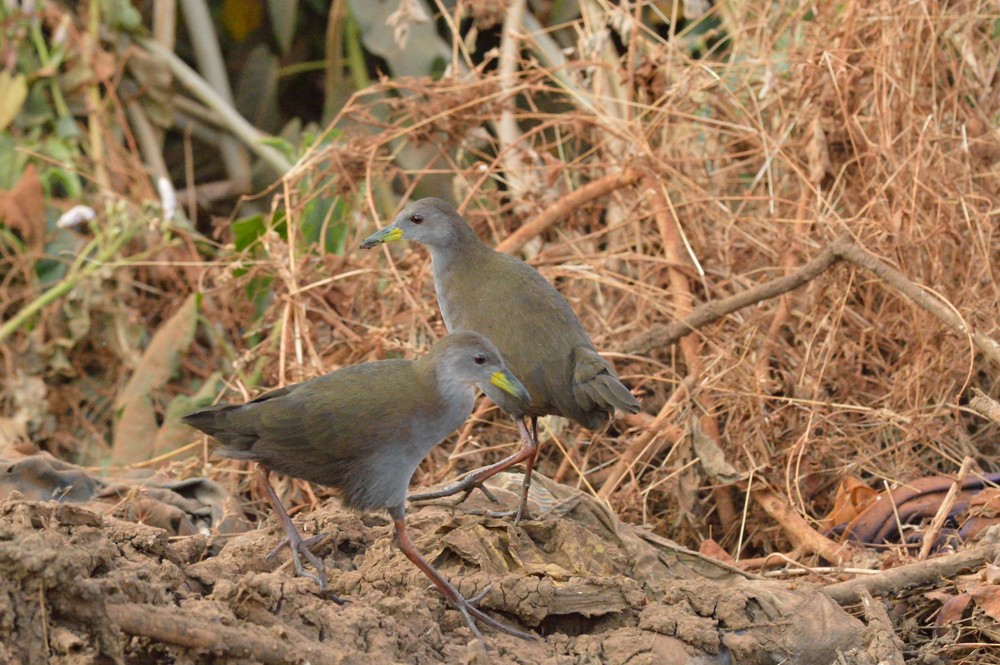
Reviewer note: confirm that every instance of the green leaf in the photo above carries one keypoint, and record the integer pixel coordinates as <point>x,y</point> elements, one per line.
<point>287,149</point>
<point>246,231</point>
<point>325,213</point>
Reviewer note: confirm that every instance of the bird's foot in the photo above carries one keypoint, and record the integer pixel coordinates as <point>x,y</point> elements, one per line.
<point>300,549</point>
<point>468,607</point>
<point>519,513</point>
<point>466,486</point>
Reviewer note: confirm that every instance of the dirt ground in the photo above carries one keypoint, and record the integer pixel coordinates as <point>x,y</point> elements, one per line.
<point>78,586</point>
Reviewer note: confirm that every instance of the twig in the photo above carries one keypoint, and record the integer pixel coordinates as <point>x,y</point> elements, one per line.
<point>565,206</point>
<point>985,405</point>
<point>703,315</point>
<point>918,294</point>
<point>883,643</point>
<point>922,573</point>
<point>798,530</point>
<point>167,625</point>
<point>931,534</point>
<point>659,427</point>
<point>842,249</point>
<point>675,250</point>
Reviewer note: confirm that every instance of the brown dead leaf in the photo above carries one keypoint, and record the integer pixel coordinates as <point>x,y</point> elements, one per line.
<point>853,497</point>
<point>712,457</point>
<point>715,550</point>
<point>986,503</point>
<point>952,609</point>
<point>136,429</point>
<point>987,598</point>
<point>23,209</point>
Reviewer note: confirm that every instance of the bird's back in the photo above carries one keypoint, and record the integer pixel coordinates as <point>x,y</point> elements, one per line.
<point>538,334</point>
<point>362,429</point>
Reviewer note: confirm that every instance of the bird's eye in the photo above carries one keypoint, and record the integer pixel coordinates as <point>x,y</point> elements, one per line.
<point>417,218</point>
<point>480,359</point>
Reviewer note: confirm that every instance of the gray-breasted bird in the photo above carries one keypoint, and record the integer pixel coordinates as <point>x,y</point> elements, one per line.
<point>363,430</point>
<point>538,334</point>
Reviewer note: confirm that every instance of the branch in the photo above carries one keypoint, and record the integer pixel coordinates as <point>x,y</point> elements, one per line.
<point>565,206</point>
<point>169,625</point>
<point>703,315</point>
<point>922,573</point>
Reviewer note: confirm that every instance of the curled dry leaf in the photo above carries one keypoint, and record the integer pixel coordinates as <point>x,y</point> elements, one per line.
<point>136,430</point>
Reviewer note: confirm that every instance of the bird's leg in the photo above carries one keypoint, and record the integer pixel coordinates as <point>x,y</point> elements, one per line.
<point>528,442</point>
<point>466,606</point>
<point>475,479</point>
<point>529,467</point>
<point>299,547</point>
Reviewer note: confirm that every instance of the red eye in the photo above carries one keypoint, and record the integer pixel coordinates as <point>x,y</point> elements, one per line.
<point>417,218</point>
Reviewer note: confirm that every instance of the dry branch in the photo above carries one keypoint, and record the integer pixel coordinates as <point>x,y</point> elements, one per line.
<point>703,315</point>
<point>842,249</point>
<point>985,405</point>
<point>167,625</point>
<point>565,206</point>
<point>922,573</point>
<point>799,530</point>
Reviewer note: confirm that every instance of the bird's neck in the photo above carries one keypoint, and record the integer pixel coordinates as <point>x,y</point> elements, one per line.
<point>466,251</point>
<point>458,395</point>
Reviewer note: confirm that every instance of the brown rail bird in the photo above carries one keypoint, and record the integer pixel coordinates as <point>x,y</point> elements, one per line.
<point>536,331</point>
<point>363,430</point>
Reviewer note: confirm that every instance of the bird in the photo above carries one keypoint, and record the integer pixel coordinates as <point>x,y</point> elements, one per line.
<point>363,430</point>
<point>535,329</point>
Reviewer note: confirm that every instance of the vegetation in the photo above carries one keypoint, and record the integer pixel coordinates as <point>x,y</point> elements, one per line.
<point>650,158</point>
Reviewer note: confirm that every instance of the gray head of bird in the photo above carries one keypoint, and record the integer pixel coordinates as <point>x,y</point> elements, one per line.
<point>470,358</point>
<point>430,221</point>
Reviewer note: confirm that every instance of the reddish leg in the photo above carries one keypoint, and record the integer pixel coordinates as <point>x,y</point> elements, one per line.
<point>528,452</point>
<point>466,606</point>
<point>529,467</point>
<point>299,547</point>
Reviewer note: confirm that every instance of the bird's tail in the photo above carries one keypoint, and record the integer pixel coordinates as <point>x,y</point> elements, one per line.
<point>211,421</point>
<point>596,386</point>
<point>606,390</point>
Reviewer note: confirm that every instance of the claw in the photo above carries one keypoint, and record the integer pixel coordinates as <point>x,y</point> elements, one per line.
<point>467,606</point>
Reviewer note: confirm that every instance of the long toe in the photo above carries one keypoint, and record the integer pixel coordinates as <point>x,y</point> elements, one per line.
<point>319,577</point>
<point>304,544</point>
<point>473,614</point>
<point>467,487</point>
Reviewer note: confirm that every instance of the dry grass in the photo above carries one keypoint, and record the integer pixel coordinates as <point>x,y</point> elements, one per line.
<point>875,120</point>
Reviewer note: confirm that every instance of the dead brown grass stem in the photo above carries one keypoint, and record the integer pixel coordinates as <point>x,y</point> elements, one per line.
<point>931,534</point>
<point>565,206</point>
<point>675,250</point>
<point>659,430</point>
